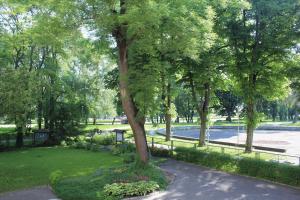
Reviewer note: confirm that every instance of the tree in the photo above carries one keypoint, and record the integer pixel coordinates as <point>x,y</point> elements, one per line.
<point>260,36</point>
<point>184,105</point>
<point>228,103</point>
<point>17,97</point>
<point>117,21</point>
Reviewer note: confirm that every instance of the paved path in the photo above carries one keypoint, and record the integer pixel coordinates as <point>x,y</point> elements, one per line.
<point>283,139</point>
<point>37,193</point>
<point>197,183</point>
<point>192,183</point>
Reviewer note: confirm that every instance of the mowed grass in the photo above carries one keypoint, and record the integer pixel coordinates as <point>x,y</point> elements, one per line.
<point>4,130</point>
<point>31,167</point>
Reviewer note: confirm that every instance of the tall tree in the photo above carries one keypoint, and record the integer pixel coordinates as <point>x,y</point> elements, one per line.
<point>261,36</point>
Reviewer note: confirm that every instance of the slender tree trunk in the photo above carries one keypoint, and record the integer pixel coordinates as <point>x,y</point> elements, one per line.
<point>113,122</point>
<point>295,119</point>
<point>167,113</point>
<point>94,120</point>
<point>51,119</point>
<point>19,127</point>
<point>46,122</point>
<point>228,118</point>
<point>251,113</point>
<point>19,139</point>
<point>250,125</point>
<point>204,114</point>
<point>130,109</point>
<point>40,114</point>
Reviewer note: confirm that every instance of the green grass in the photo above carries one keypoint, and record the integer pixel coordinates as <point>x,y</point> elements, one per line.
<point>31,167</point>
<point>4,130</point>
<point>294,124</point>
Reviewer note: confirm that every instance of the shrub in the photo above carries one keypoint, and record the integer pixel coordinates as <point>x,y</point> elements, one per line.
<point>251,167</point>
<point>159,152</point>
<point>95,147</point>
<point>125,147</point>
<point>91,186</point>
<point>80,145</point>
<point>70,141</point>
<point>55,177</point>
<point>122,190</point>
<point>63,143</point>
<point>129,158</point>
<point>106,139</point>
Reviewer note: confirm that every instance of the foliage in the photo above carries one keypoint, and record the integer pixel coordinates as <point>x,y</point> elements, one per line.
<point>159,152</point>
<point>121,190</point>
<point>55,177</point>
<point>92,187</point>
<point>123,148</point>
<point>104,139</point>
<point>228,103</point>
<point>129,157</point>
<point>273,171</point>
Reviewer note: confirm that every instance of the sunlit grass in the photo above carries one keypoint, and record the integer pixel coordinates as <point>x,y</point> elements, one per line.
<point>31,167</point>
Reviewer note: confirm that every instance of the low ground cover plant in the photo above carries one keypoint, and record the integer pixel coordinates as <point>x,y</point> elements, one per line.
<point>114,183</point>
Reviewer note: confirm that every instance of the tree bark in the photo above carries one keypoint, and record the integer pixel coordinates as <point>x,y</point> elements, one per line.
<point>129,106</point>
<point>251,118</point>
<point>19,139</point>
<point>204,114</point>
<point>167,113</point>
<point>250,125</point>
<point>228,118</point>
<point>40,114</point>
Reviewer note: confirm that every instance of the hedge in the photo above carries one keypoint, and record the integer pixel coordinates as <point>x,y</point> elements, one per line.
<point>281,173</point>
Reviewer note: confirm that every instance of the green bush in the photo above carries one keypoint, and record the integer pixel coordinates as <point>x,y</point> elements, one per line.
<point>159,152</point>
<point>129,158</point>
<point>91,186</point>
<point>80,145</point>
<point>55,177</point>
<point>63,143</point>
<point>70,140</point>
<point>272,171</point>
<point>106,139</point>
<point>122,190</point>
<point>125,147</point>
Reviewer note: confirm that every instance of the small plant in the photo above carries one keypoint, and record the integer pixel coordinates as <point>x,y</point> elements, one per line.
<point>123,148</point>
<point>107,139</point>
<point>159,152</point>
<point>55,177</point>
<point>129,158</point>
<point>63,143</point>
<point>122,190</point>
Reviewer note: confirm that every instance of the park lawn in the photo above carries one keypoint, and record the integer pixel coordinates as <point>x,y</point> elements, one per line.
<point>31,167</point>
<point>4,130</point>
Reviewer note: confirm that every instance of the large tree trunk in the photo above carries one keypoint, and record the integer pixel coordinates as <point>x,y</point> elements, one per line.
<point>130,109</point>
<point>204,114</point>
